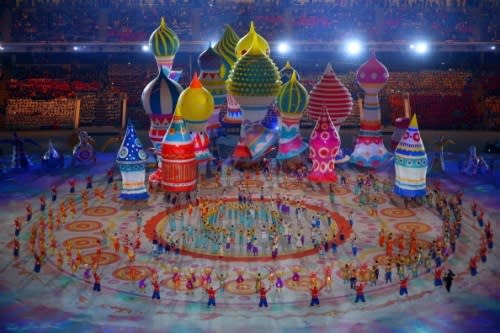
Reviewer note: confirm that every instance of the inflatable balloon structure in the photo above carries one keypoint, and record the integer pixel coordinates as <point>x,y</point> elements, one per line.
<point>475,164</point>
<point>210,64</point>
<point>51,159</point>
<point>225,48</point>
<point>195,106</point>
<point>330,94</point>
<point>292,101</point>
<point>84,153</point>
<point>324,145</point>
<point>20,160</point>
<point>287,71</point>
<point>164,43</point>
<point>369,151</point>
<point>247,41</point>
<point>254,82</point>
<point>180,168</point>
<point>131,160</point>
<point>160,96</point>
<point>438,162</point>
<point>410,161</point>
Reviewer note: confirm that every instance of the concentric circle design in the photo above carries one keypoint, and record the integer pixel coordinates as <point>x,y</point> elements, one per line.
<point>83,226</point>
<point>341,191</point>
<point>304,284</point>
<point>379,199</point>
<point>397,212</point>
<point>210,184</point>
<point>291,185</point>
<point>100,211</point>
<point>133,272</point>
<point>105,258</point>
<point>85,242</point>
<point>247,287</point>
<point>419,227</point>
<point>250,183</point>
<point>168,283</point>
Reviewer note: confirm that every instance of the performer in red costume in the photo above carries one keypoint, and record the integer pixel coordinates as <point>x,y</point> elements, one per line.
<point>72,184</point>
<point>43,202</point>
<point>16,247</point>
<point>211,292</point>
<point>473,265</point>
<point>315,295</point>
<point>97,281</point>
<point>17,226</point>
<point>53,189</point>
<point>29,212</point>
<point>403,286</point>
<point>156,289</point>
<point>437,277</point>
<point>360,293</point>
<point>263,298</point>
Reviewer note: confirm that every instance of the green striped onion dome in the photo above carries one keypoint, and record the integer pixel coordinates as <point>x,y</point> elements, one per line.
<point>225,48</point>
<point>254,74</point>
<point>292,97</point>
<point>164,41</point>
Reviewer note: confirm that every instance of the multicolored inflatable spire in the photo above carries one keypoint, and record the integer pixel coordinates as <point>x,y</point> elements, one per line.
<point>291,101</point>
<point>195,106</point>
<point>287,71</point>
<point>246,42</point>
<point>131,160</point>
<point>254,83</point>
<point>331,94</point>
<point>164,43</point>
<point>180,169</point>
<point>410,161</point>
<point>225,48</point>
<point>324,144</point>
<point>369,151</point>
<point>159,99</point>
<point>210,64</point>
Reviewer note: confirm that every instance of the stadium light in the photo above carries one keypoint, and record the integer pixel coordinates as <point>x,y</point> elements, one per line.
<point>283,47</point>
<point>145,48</point>
<point>493,48</point>
<point>420,47</point>
<point>353,47</point>
<point>76,48</point>
<point>1,48</point>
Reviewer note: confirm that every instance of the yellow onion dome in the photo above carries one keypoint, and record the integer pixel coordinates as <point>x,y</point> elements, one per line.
<point>292,98</point>
<point>164,41</point>
<point>246,41</point>
<point>195,105</point>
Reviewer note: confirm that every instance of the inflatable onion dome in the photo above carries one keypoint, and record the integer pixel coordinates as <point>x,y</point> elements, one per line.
<point>177,133</point>
<point>164,41</point>
<point>254,74</point>
<point>292,98</point>
<point>195,105</point>
<point>131,150</point>
<point>209,60</point>
<point>330,94</point>
<point>160,96</point>
<point>246,41</point>
<point>225,48</point>
<point>287,71</point>
<point>372,74</point>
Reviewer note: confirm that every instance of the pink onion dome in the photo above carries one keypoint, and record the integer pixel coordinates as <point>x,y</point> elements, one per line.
<point>372,74</point>
<point>324,145</point>
<point>330,94</point>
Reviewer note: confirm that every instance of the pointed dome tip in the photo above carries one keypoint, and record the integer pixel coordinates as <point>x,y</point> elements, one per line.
<point>195,82</point>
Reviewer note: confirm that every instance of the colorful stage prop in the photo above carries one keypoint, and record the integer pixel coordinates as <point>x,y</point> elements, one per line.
<point>287,71</point>
<point>20,160</point>
<point>160,96</point>
<point>195,106</point>
<point>131,160</point>
<point>255,83</point>
<point>178,158</point>
<point>291,102</point>
<point>330,94</point>
<point>438,162</point>
<point>210,65</point>
<point>369,151</point>
<point>410,161</point>
<point>475,165</point>
<point>324,146</point>
<point>51,159</point>
<point>84,153</point>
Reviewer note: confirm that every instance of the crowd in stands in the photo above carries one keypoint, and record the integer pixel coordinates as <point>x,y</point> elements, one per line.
<point>28,113</point>
<point>377,20</point>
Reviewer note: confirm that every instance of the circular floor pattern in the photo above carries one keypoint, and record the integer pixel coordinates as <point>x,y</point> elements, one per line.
<point>397,212</point>
<point>106,258</point>
<point>247,287</point>
<point>291,186</point>
<point>419,227</point>
<point>168,283</point>
<point>209,184</point>
<point>341,191</point>
<point>83,226</point>
<point>84,242</point>
<point>100,211</point>
<point>304,283</point>
<point>249,183</point>
<point>133,272</point>
<point>380,199</point>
